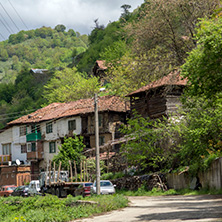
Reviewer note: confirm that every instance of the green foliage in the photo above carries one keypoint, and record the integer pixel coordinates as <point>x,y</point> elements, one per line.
<point>71,149</point>
<point>70,85</point>
<point>100,39</point>
<point>203,66</point>
<point>44,48</point>
<point>147,146</point>
<point>112,176</point>
<point>51,208</point>
<point>142,191</point>
<point>60,28</point>
<point>202,130</point>
<point>91,167</point>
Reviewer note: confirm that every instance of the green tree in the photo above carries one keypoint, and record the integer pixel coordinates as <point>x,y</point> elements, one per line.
<point>126,14</point>
<point>164,31</point>
<point>203,67</point>
<point>60,28</point>
<point>147,144</point>
<point>3,55</point>
<point>70,85</point>
<point>203,99</point>
<point>71,149</point>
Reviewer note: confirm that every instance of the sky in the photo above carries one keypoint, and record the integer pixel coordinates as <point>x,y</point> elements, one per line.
<point>17,15</point>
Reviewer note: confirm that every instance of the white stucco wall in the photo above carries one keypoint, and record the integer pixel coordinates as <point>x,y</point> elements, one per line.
<point>16,145</point>
<point>5,137</point>
<point>60,128</point>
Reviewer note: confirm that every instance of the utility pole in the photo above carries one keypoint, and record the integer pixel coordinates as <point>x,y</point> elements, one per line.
<point>97,144</point>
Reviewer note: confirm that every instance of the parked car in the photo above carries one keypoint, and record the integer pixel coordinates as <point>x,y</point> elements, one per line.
<point>7,190</point>
<point>106,187</point>
<point>34,188</point>
<point>21,191</point>
<point>83,189</point>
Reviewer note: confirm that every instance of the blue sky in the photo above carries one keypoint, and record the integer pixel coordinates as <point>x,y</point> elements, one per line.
<point>76,14</point>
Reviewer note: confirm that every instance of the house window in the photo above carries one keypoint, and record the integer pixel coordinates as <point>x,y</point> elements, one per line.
<point>72,124</point>
<point>52,147</point>
<point>49,127</point>
<point>35,128</point>
<point>33,147</point>
<point>100,120</point>
<point>6,149</point>
<point>23,149</point>
<point>101,140</point>
<point>22,130</point>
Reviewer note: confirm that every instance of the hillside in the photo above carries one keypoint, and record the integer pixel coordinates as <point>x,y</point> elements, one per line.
<point>140,47</point>
<point>43,48</point>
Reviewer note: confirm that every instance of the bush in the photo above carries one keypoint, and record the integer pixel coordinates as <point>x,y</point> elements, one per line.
<point>51,208</point>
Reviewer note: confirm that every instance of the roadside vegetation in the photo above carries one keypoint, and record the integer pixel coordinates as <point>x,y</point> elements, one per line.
<point>142,191</point>
<point>51,208</point>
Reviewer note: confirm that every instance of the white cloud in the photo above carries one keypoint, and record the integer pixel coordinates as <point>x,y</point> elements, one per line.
<point>76,14</point>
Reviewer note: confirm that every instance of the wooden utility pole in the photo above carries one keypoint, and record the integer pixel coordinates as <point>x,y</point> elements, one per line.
<point>97,144</point>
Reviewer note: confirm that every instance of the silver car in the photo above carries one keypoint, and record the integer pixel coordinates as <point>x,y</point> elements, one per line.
<point>106,187</point>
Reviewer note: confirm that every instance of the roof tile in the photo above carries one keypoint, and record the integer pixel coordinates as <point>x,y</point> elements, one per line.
<point>173,78</point>
<point>83,106</point>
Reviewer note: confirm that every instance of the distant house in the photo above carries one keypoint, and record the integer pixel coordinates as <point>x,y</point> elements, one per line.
<point>158,98</point>
<point>39,71</point>
<point>35,137</point>
<point>99,70</point>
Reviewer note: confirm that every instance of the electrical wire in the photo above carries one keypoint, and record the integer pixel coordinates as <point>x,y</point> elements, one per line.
<point>5,26</point>
<point>18,15</point>
<point>2,36</point>
<point>11,31</point>
<point>30,110</point>
<point>9,16</point>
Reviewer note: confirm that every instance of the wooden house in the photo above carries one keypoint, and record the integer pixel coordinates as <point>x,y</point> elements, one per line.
<point>99,70</point>
<point>158,98</point>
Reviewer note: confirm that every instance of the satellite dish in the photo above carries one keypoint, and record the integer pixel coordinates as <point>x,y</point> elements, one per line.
<point>18,162</point>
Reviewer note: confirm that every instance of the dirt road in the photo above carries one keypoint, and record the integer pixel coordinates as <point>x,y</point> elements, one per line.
<point>168,208</point>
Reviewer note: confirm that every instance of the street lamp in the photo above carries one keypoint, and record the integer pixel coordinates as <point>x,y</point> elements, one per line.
<point>97,142</point>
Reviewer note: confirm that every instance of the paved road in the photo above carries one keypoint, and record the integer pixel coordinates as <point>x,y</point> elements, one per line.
<point>168,208</point>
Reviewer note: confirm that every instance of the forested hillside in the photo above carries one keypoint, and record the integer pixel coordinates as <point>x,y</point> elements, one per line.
<point>43,48</point>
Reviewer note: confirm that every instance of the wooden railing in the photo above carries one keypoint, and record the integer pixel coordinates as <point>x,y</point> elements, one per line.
<point>4,159</point>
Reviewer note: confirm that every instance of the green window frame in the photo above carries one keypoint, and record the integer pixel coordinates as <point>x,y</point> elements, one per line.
<point>72,124</point>
<point>33,147</point>
<point>49,127</point>
<point>52,147</point>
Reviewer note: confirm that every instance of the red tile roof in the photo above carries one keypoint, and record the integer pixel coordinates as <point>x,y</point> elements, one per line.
<point>173,78</point>
<point>83,106</point>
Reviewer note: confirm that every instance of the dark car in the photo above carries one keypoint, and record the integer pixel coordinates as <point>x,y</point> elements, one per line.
<point>21,191</point>
<point>83,189</point>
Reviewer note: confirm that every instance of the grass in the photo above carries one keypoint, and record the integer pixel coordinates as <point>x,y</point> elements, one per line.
<point>157,192</point>
<point>51,208</point>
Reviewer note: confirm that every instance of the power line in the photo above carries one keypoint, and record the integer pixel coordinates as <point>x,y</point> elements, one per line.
<point>5,26</point>
<point>19,112</point>
<point>6,23</point>
<point>18,15</point>
<point>9,17</point>
<point>2,36</point>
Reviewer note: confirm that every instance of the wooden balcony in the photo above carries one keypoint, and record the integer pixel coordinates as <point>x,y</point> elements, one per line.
<point>36,155</point>
<point>4,159</point>
<point>33,136</point>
